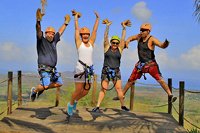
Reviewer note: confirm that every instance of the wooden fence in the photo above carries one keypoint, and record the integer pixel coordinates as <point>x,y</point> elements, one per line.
<point>93,100</point>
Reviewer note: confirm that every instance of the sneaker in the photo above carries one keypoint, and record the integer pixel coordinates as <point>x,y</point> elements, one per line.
<point>124,108</point>
<point>70,109</point>
<point>173,99</point>
<point>117,98</point>
<point>74,106</point>
<point>33,94</point>
<point>39,93</point>
<point>96,109</point>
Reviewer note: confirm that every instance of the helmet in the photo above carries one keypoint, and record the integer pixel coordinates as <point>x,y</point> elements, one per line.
<point>84,30</point>
<point>50,29</point>
<point>115,38</point>
<point>146,26</point>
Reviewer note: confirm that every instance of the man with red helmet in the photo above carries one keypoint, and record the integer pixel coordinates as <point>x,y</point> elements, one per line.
<point>147,62</point>
<point>47,56</point>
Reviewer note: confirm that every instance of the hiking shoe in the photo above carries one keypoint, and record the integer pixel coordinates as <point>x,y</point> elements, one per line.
<point>70,109</point>
<point>74,106</point>
<point>117,98</point>
<point>173,99</point>
<point>124,108</point>
<point>33,94</point>
<point>39,93</point>
<point>96,109</point>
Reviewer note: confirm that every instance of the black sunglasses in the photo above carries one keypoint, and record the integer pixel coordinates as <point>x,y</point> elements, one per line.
<point>143,30</point>
<point>115,43</point>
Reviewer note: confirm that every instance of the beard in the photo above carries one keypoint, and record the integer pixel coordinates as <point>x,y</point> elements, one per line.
<point>49,39</point>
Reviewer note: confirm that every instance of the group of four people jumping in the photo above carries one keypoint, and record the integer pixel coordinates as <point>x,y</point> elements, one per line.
<point>84,40</point>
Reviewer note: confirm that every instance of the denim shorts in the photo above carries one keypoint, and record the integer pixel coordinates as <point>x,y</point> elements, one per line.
<point>48,77</point>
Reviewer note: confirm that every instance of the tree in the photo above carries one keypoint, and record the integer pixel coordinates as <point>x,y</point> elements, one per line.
<point>197,9</point>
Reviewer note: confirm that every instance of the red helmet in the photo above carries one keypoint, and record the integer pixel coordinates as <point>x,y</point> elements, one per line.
<point>146,26</point>
<point>84,30</point>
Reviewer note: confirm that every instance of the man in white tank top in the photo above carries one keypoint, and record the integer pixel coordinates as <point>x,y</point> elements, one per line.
<point>84,44</point>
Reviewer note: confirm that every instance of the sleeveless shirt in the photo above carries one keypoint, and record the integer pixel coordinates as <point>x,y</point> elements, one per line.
<point>112,59</point>
<point>144,53</point>
<point>85,55</point>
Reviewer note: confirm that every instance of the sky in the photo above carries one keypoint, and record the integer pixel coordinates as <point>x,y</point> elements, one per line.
<point>171,19</point>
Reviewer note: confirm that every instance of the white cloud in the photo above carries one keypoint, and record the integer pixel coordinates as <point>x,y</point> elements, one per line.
<point>191,58</point>
<point>141,12</point>
<point>187,61</point>
<point>12,52</point>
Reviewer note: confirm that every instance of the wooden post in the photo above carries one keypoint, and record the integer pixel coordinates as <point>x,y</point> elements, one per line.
<point>181,103</point>
<point>170,98</point>
<point>132,97</point>
<point>94,90</point>
<point>9,94</point>
<point>57,96</point>
<point>19,88</point>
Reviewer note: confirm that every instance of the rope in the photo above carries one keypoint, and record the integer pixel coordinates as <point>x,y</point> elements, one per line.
<point>185,118</point>
<point>175,88</point>
<point>3,81</point>
<point>158,106</point>
<point>189,91</point>
<point>2,112</point>
<point>147,84</point>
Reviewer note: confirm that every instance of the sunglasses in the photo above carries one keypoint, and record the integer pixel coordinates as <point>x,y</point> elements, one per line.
<point>143,30</point>
<point>115,43</point>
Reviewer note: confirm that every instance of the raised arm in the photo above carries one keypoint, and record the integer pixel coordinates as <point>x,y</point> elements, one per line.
<point>39,16</point>
<point>94,31</point>
<point>160,44</point>
<point>106,40</point>
<point>132,38</point>
<point>122,41</point>
<point>77,34</point>
<point>63,27</point>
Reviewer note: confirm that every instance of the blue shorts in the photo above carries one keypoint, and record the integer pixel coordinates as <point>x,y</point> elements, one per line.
<point>48,77</point>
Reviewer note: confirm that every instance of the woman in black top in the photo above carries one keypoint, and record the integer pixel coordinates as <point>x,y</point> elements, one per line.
<point>112,58</point>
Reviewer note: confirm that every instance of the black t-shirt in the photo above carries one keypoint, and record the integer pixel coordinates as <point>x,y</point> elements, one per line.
<point>47,53</point>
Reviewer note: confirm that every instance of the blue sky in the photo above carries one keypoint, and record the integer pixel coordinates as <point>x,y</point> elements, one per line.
<point>171,19</point>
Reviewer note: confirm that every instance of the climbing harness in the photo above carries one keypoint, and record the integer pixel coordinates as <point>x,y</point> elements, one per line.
<point>88,73</point>
<point>54,75</point>
<point>144,67</point>
<point>111,74</point>
<point>140,66</point>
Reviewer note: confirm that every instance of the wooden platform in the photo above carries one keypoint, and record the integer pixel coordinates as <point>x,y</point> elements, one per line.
<point>29,119</point>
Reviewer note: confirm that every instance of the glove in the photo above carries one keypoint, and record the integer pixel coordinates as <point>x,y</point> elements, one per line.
<point>67,19</point>
<point>74,13</point>
<point>166,43</point>
<point>126,23</point>
<point>107,22</point>
<point>39,15</point>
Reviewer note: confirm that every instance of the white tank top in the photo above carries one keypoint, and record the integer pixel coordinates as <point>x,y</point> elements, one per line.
<point>85,55</point>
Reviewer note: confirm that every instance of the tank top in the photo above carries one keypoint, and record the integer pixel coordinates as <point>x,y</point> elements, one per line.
<point>85,55</point>
<point>144,53</point>
<point>112,59</point>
